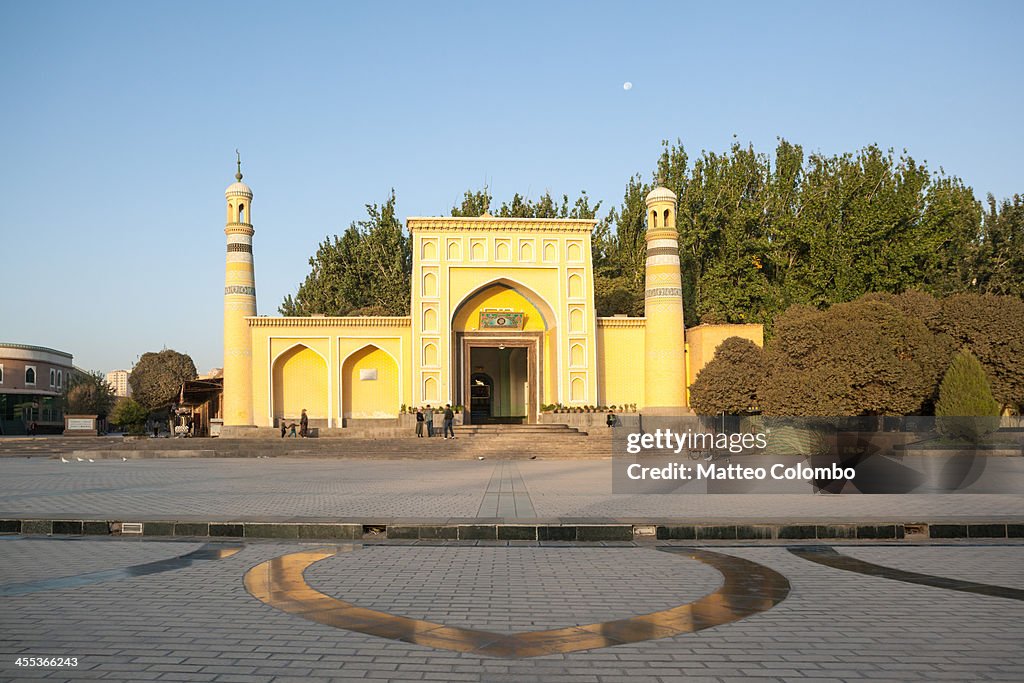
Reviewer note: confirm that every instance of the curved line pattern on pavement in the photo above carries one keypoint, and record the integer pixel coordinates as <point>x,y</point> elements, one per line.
<point>830,557</point>
<point>748,588</point>
<point>210,551</point>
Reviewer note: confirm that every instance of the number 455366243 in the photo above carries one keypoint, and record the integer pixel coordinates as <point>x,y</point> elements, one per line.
<point>47,662</point>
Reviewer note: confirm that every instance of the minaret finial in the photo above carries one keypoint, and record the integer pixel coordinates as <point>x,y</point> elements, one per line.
<point>238,176</point>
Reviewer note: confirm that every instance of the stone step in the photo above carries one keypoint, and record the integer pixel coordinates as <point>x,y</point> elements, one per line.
<point>559,444</point>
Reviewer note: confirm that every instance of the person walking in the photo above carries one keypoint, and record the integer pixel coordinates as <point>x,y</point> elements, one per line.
<point>449,421</point>
<point>284,427</point>
<point>419,423</point>
<point>428,417</point>
<point>304,424</point>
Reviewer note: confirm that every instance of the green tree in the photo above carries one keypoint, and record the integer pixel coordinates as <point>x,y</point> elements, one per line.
<point>129,413</point>
<point>474,203</point>
<point>992,328</point>
<point>157,378</point>
<point>729,382</point>
<point>998,261</point>
<point>365,271</point>
<point>477,202</point>
<point>758,234</point>
<point>966,409</point>
<point>951,221</point>
<point>88,393</point>
<point>723,227</point>
<point>620,255</point>
<point>864,357</point>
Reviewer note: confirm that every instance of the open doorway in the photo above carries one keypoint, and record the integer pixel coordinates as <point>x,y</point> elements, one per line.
<point>499,384</point>
<point>498,376</point>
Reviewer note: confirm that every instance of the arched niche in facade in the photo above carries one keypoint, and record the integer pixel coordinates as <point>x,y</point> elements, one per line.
<point>299,381</point>
<point>370,384</point>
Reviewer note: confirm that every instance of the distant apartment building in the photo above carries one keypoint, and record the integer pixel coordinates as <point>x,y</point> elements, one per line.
<point>118,379</point>
<point>32,383</point>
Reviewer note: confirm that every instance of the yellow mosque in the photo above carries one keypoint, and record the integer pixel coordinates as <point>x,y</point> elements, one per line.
<point>502,322</point>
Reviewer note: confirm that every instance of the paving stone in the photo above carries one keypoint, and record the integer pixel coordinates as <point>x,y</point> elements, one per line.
<point>201,621</point>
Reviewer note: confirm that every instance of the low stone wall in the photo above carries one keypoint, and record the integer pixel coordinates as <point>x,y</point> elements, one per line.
<point>590,422</point>
<point>377,529</point>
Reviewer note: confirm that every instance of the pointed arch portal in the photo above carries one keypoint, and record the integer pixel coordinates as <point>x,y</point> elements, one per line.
<point>299,379</point>
<point>509,355</point>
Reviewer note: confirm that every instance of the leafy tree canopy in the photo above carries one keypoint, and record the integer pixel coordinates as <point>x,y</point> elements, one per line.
<point>864,357</point>
<point>758,233</point>
<point>998,260</point>
<point>89,394</point>
<point>992,328</point>
<point>365,271</point>
<point>129,413</point>
<point>966,409</point>
<point>730,381</point>
<point>478,202</point>
<point>157,378</point>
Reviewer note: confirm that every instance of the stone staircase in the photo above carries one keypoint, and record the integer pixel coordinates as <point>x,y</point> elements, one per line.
<point>473,441</point>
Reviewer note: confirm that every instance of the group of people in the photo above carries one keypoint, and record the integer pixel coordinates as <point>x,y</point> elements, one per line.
<point>289,429</point>
<point>426,416</point>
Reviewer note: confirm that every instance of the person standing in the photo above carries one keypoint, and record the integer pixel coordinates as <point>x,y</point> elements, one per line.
<point>428,417</point>
<point>449,421</point>
<point>419,423</point>
<point>304,424</point>
<point>610,420</point>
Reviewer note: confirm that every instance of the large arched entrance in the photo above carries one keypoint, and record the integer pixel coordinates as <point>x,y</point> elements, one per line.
<point>369,385</point>
<point>500,334</point>
<point>300,382</point>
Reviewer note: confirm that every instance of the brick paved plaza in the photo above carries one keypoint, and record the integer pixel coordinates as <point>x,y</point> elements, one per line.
<point>145,608</point>
<point>199,623</point>
<point>234,489</point>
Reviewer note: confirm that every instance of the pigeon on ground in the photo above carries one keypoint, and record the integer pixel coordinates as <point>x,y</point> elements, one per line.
<point>124,459</point>
<point>63,459</point>
<point>79,459</point>
<point>479,457</point>
<point>533,457</point>
<point>91,460</point>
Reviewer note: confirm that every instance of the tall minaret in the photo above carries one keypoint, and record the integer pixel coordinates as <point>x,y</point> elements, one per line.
<point>239,302</point>
<point>664,362</point>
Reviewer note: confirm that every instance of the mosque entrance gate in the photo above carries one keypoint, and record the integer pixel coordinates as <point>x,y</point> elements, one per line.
<point>512,363</point>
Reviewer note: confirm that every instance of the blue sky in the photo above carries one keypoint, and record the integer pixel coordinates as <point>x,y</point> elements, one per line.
<point>119,122</point>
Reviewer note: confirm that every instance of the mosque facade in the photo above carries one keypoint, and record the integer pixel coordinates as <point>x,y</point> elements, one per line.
<point>502,322</point>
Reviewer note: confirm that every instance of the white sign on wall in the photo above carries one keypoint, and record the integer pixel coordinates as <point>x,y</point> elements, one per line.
<point>85,423</point>
<point>370,373</point>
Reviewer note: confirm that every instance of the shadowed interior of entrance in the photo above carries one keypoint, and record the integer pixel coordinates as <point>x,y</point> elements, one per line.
<point>499,384</point>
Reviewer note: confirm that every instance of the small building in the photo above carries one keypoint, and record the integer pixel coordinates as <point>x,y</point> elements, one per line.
<point>32,383</point>
<point>200,402</point>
